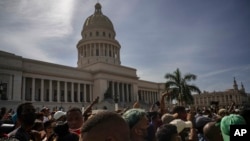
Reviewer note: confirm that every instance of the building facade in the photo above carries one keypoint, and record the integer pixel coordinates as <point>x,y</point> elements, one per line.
<point>224,98</point>
<point>98,73</point>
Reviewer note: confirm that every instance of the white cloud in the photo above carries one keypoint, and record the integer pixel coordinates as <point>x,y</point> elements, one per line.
<point>45,18</point>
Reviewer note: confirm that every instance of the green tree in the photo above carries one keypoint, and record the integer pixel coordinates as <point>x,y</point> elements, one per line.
<point>179,87</point>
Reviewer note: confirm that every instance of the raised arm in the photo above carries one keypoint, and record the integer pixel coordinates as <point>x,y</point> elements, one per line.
<point>162,103</point>
<point>87,110</point>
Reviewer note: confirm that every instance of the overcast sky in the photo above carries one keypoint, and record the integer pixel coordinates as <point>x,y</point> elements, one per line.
<point>209,38</point>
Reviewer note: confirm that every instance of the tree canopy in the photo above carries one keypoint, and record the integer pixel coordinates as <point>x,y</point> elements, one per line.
<point>180,88</point>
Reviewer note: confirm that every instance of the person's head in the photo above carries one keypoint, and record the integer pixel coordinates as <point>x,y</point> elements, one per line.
<point>74,118</point>
<point>68,137</point>
<point>2,112</point>
<point>182,113</point>
<point>181,125</point>
<point>39,116</point>
<point>167,132</point>
<point>167,118</point>
<point>105,125</point>
<point>60,116</point>
<point>200,122</point>
<point>45,111</point>
<point>222,112</point>
<point>138,123</point>
<point>38,126</point>
<point>212,131</point>
<point>49,126</point>
<point>26,114</point>
<point>225,123</point>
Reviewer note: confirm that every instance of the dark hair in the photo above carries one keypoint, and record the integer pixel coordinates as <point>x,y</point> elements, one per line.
<point>48,123</point>
<point>2,112</point>
<point>165,132</point>
<point>20,108</point>
<point>38,126</point>
<point>178,109</point>
<point>61,129</point>
<point>152,115</point>
<point>68,137</point>
<point>74,109</point>
<point>39,115</point>
<point>26,113</point>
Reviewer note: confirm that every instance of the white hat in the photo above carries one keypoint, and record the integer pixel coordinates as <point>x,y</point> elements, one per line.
<point>59,114</point>
<point>180,124</point>
<point>167,118</point>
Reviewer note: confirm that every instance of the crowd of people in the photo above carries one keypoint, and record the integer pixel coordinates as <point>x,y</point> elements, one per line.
<point>130,124</point>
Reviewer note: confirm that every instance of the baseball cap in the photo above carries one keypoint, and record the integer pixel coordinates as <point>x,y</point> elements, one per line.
<point>225,123</point>
<point>222,112</point>
<point>180,124</point>
<point>167,118</point>
<point>59,114</point>
<point>201,121</point>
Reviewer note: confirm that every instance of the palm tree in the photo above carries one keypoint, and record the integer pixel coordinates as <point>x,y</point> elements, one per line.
<point>180,89</point>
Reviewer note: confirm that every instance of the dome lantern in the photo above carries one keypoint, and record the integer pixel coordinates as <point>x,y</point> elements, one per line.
<point>98,8</point>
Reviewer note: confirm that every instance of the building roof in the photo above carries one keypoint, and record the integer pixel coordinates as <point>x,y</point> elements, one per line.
<point>98,20</point>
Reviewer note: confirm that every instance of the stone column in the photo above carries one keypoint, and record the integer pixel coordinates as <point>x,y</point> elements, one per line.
<point>10,95</point>
<point>133,96</point>
<point>78,93</point>
<point>123,94</point>
<point>118,92</point>
<point>95,48</point>
<point>50,91</point>
<point>113,51</point>
<point>65,92</point>
<point>113,89</point>
<point>42,90</point>
<point>127,92</point>
<point>24,89</point>
<point>132,93</point>
<point>142,96</point>
<point>84,93</point>
<point>151,97</point>
<point>91,92</point>
<point>72,92</point>
<point>33,90</point>
<point>58,91</point>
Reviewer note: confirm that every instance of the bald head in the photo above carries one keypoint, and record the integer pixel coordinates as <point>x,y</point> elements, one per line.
<point>212,132</point>
<point>105,126</point>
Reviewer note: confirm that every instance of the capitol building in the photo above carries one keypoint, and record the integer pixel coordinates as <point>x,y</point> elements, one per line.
<point>99,73</point>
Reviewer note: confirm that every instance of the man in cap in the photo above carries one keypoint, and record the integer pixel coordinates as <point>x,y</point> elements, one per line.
<point>60,116</point>
<point>138,123</point>
<point>225,123</point>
